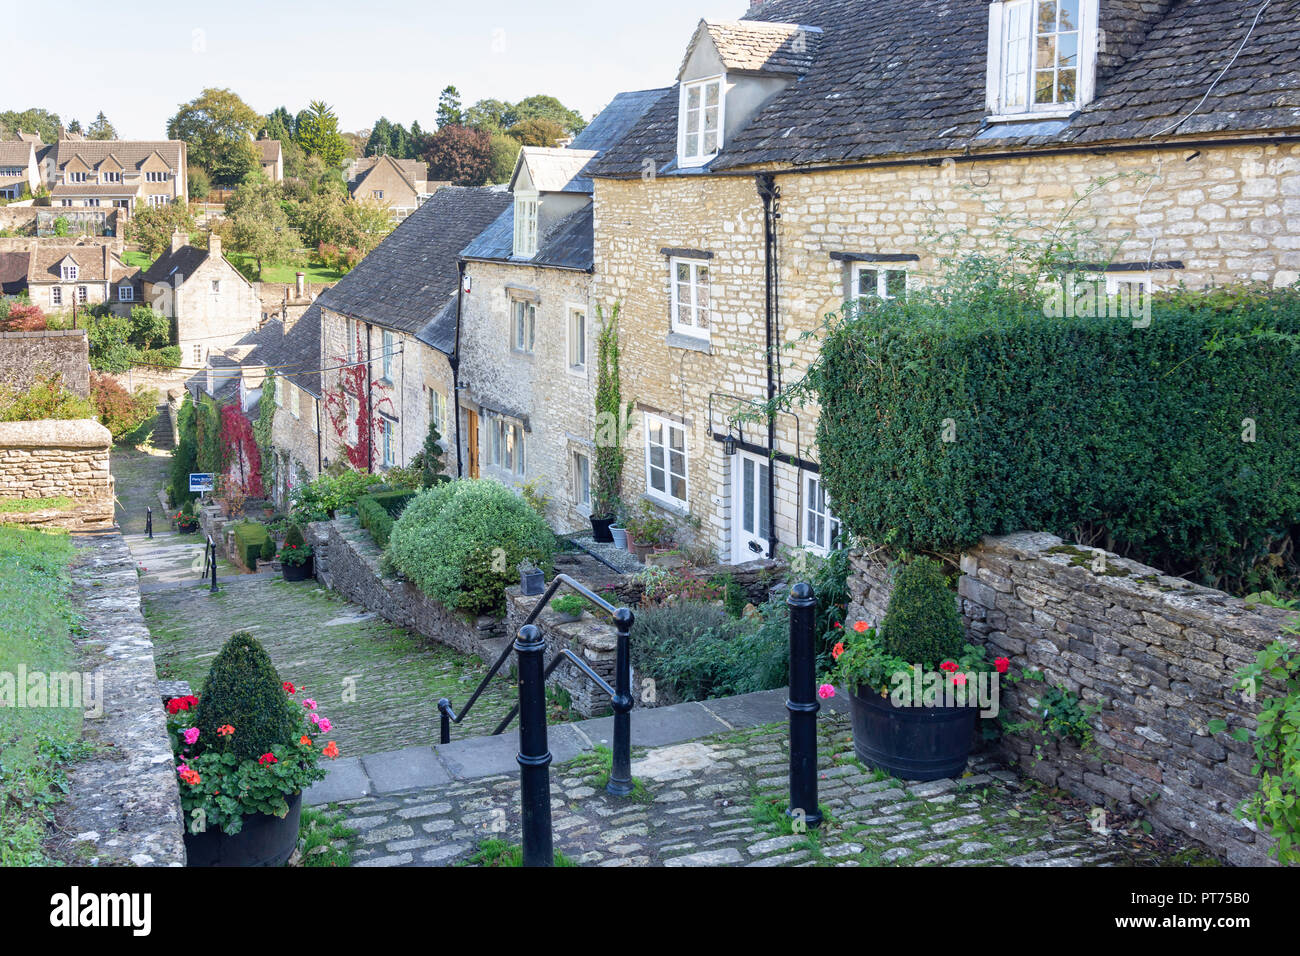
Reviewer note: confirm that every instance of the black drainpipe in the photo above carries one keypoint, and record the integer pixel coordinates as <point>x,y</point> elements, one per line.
<point>769,193</point>
<point>454,360</point>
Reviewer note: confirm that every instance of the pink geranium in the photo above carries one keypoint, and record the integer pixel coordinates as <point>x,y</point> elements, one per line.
<point>826,691</point>
<point>324,725</point>
<point>309,704</point>
<point>191,735</point>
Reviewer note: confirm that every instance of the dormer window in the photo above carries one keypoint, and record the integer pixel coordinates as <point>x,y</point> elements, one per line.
<point>1042,57</point>
<point>699,136</point>
<point>525,225</point>
<point>70,272</point>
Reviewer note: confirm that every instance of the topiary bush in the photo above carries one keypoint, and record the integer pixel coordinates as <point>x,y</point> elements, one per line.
<point>922,623</point>
<point>243,690</point>
<point>461,543</point>
<point>250,539</point>
<point>293,537</point>
<point>378,512</point>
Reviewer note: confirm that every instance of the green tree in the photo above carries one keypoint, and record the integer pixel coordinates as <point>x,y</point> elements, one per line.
<point>538,131</point>
<point>428,460</point>
<point>75,127</point>
<point>259,226</point>
<point>149,329</point>
<point>449,111</point>
<point>101,128</point>
<point>504,152</point>
<point>380,137</point>
<point>218,127</point>
<point>488,115</point>
<point>318,134</point>
<point>611,419</point>
<point>198,183</point>
<point>33,120</point>
<point>151,227</point>
<point>546,107</point>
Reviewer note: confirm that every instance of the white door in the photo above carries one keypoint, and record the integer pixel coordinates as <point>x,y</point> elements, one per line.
<point>751,531</point>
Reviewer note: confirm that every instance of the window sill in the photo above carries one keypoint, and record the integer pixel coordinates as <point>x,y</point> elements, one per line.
<point>680,340</point>
<point>1064,112</point>
<point>672,506</point>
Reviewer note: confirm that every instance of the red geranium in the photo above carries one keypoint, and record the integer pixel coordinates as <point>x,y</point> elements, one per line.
<point>288,687</point>
<point>837,650</point>
<point>949,666</point>
<point>1002,663</point>
<point>177,704</point>
<point>267,758</point>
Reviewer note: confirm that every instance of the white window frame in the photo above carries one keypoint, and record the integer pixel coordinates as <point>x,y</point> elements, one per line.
<point>830,526</point>
<point>125,293</point>
<point>1001,106</point>
<point>387,344</point>
<point>680,309</point>
<point>388,434</point>
<point>56,295</point>
<point>699,157</point>
<point>1142,280</point>
<point>577,340</point>
<point>582,480</point>
<point>882,271</point>
<point>507,444</point>
<point>665,495</point>
<point>376,194</point>
<point>71,272</point>
<point>438,412</point>
<point>161,200</point>
<point>528,331</point>
<point>83,294</point>
<point>527,205</point>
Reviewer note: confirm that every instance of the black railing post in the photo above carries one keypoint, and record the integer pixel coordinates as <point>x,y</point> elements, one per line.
<point>444,706</point>
<point>534,755</point>
<point>620,774</point>
<point>213,545</point>
<point>148,522</point>
<point>803,706</point>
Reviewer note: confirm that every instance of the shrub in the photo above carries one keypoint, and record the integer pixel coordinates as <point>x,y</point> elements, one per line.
<point>268,549</point>
<point>185,457</point>
<point>250,539</point>
<point>244,691</point>
<point>21,317</point>
<point>46,398</point>
<point>294,537</point>
<point>1173,443</point>
<point>327,494</point>
<point>168,357</point>
<point>462,541</point>
<point>379,511</point>
<point>922,624</point>
<point>120,411</point>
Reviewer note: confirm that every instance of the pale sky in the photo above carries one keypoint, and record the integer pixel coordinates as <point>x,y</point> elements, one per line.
<point>137,60</point>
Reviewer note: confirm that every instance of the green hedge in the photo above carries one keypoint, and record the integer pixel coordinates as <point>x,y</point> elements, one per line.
<point>250,538</point>
<point>377,513</point>
<point>1134,435</point>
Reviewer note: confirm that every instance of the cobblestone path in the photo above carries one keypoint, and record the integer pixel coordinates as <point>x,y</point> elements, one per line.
<point>375,682</point>
<point>139,473</point>
<point>717,801</point>
<point>171,560</point>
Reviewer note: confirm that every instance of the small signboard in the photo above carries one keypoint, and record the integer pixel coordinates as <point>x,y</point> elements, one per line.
<point>202,483</point>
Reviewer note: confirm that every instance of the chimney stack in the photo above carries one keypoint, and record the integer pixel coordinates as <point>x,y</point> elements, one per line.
<point>214,245</point>
<point>299,279</point>
<point>179,241</point>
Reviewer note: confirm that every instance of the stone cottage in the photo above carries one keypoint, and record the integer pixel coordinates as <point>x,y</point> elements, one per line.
<point>818,151</point>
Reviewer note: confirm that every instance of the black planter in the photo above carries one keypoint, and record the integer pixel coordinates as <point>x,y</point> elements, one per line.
<point>600,529</point>
<point>297,572</point>
<point>912,743</point>
<point>532,582</point>
<point>264,841</point>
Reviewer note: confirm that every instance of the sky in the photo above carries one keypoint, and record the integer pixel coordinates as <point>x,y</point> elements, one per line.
<point>137,61</point>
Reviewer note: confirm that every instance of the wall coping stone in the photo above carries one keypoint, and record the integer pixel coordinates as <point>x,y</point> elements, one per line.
<point>55,433</point>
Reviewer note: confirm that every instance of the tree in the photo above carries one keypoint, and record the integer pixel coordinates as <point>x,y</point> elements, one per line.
<point>547,107</point>
<point>414,141</point>
<point>151,227</point>
<point>368,223</point>
<point>259,226</point>
<point>449,111</point>
<point>380,137</point>
<point>33,120</point>
<point>101,128</point>
<point>199,184</point>
<point>428,460</point>
<point>318,134</point>
<point>611,420</point>
<point>504,153</point>
<point>487,115</point>
<point>75,127</point>
<point>218,127</point>
<point>149,328</point>
<point>459,155</point>
<point>278,125</point>
<point>538,131</point>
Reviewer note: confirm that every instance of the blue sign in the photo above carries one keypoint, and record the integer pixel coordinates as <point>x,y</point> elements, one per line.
<point>202,482</point>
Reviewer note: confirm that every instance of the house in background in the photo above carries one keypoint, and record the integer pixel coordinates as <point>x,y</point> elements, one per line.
<point>270,155</point>
<point>402,184</point>
<point>64,276</point>
<point>528,327</point>
<point>210,302</point>
<point>806,152</point>
<point>20,173</point>
<point>393,317</point>
<point>115,173</point>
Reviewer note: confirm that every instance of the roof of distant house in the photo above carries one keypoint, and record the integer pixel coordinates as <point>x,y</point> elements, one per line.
<point>128,153</point>
<point>185,261</point>
<point>268,150</point>
<point>407,280</point>
<point>13,267</point>
<point>890,78</point>
<point>94,262</point>
<point>15,153</point>
<point>412,170</point>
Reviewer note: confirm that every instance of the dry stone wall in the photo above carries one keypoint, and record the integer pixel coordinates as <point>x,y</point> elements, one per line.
<point>26,357</point>
<point>58,459</point>
<point>1158,654</point>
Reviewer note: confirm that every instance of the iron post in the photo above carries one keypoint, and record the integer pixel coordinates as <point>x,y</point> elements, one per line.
<point>803,706</point>
<point>620,774</point>
<point>534,756</point>
<point>444,706</point>
<point>213,545</point>
<point>148,522</point>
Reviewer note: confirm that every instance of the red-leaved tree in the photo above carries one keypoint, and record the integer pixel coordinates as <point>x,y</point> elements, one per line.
<point>460,155</point>
<point>23,318</point>
<point>244,470</point>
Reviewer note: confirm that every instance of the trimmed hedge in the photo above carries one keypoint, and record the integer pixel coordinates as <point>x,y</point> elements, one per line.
<point>1084,425</point>
<point>244,690</point>
<point>379,511</point>
<point>250,539</point>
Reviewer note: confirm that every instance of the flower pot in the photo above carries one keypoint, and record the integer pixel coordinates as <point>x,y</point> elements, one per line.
<point>264,841</point>
<point>532,582</point>
<point>568,618</point>
<point>912,743</point>
<point>298,572</point>
<point>642,551</point>
<point>600,529</point>
<point>620,536</point>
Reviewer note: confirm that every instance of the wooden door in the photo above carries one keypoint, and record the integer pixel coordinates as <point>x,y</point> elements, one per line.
<point>471,435</point>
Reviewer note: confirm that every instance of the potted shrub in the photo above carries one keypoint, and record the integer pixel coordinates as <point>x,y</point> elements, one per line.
<point>646,530</point>
<point>912,682</point>
<point>610,430</point>
<point>245,750</point>
<point>186,521</point>
<point>618,530</point>
<point>569,607</point>
<point>296,562</point>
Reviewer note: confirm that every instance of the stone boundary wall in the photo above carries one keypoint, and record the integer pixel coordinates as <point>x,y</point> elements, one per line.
<point>1158,653</point>
<point>28,356</point>
<point>53,459</point>
<point>124,805</point>
<point>350,563</point>
<point>591,638</point>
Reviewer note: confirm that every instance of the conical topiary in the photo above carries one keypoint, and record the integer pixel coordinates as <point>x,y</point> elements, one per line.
<point>294,537</point>
<point>244,691</point>
<point>922,624</point>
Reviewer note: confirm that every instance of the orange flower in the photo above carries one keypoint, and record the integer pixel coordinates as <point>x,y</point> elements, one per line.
<point>331,750</point>
<point>225,730</point>
<point>837,650</point>
<point>861,627</point>
<point>304,741</point>
<point>191,777</point>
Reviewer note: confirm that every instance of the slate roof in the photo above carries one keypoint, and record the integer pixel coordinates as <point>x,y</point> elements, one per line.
<point>568,245</point>
<point>296,356</point>
<point>893,78</point>
<point>440,332</point>
<point>556,170</point>
<point>617,119</point>
<point>13,270</point>
<point>130,153</point>
<point>412,170</point>
<point>94,263</point>
<point>754,46</point>
<point>409,277</point>
<point>15,154</point>
<point>186,261</point>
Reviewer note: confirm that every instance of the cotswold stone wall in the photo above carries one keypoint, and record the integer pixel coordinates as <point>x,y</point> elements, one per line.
<point>58,459</point>
<point>28,356</point>
<point>1157,653</point>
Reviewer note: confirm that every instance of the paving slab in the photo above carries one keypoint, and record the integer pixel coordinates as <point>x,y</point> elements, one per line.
<point>485,756</point>
<point>657,726</point>
<point>405,770</point>
<point>347,780</point>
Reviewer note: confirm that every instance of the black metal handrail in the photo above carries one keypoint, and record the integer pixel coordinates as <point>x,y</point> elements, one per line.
<point>620,779</point>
